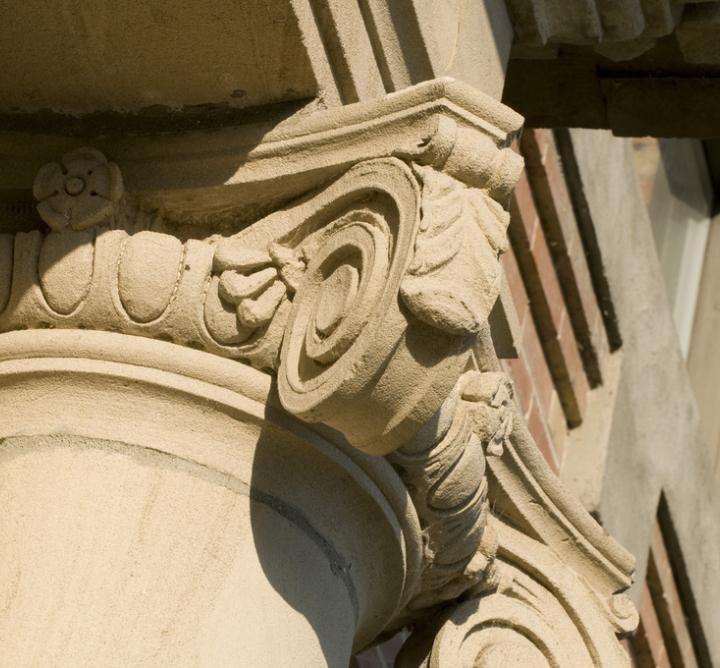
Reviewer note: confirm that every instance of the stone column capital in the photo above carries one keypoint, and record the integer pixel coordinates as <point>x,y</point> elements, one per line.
<point>363,295</point>
<point>346,266</point>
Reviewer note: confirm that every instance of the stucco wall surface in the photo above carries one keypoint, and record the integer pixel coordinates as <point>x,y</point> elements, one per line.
<point>655,441</point>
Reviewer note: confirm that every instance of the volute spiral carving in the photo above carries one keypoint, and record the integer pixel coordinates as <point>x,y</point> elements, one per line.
<point>347,282</point>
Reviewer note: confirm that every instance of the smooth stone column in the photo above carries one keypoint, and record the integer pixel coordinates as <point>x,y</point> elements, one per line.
<point>152,518</point>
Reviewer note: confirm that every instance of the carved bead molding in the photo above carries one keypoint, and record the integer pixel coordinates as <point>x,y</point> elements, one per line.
<point>363,293</point>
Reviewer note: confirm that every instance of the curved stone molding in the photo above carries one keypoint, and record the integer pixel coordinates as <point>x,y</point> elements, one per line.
<point>169,411</point>
<point>524,490</point>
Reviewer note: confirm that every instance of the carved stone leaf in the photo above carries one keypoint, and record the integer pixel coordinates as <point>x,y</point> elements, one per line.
<point>453,280</point>
<point>440,303</point>
<point>440,234</point>
<point>491,218</point>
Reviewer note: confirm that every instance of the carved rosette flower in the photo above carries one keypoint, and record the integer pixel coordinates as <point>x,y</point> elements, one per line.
<point>79,192</point>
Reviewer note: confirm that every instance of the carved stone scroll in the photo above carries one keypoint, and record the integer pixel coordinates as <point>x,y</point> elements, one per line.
<point>542,615</point>
<point>374,285</point>
<point>553,598</point>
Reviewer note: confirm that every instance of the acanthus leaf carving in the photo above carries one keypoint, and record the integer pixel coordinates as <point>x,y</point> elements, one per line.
<point>444,467</point>
<point>453,280</point>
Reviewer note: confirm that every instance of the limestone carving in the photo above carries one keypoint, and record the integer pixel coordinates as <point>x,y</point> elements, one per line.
<point>541,615</point>
<point>616,29</point>
<point>256,282</point>
<point>448,484</point>
<point>319,278</point>
<point>554,596</point>
<point>358,299</point>
<point>79,192</point>
<point>452,281</point>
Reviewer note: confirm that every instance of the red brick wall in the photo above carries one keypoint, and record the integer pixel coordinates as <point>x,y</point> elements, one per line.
<point>562,342</point>
<point>663,638</point>
<point>562,349</point>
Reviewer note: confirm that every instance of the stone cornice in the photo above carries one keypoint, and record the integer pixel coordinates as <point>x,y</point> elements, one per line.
<point>618,29</point>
